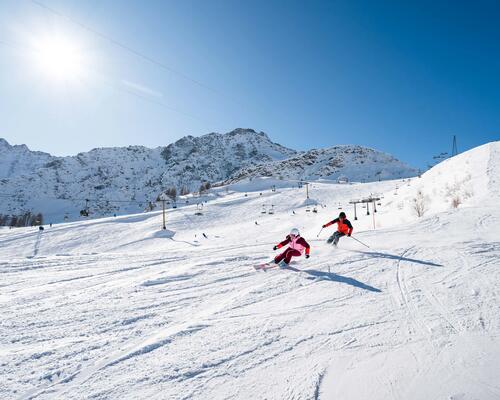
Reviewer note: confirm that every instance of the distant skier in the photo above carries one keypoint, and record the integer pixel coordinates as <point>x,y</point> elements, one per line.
<point>296,246</point>
<point>344,227</point>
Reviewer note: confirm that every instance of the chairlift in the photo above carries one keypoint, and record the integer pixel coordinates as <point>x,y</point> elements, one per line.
<point>315,210</point>
<point>271,210</point>
<point>199,208</point>
<point>340,206</point>
<point>85,211</point>
<point>308,209</point>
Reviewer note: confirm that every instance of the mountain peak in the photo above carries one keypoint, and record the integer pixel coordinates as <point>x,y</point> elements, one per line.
<point>4,143</point>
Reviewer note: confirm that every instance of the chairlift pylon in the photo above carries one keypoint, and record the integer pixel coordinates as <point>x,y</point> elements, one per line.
<point>199,208</point>
<point>85,211</point>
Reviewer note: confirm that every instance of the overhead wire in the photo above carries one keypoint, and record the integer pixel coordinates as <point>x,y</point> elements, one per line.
<point>81,199</point>
<point>112,84</point>
<point>124,46</point>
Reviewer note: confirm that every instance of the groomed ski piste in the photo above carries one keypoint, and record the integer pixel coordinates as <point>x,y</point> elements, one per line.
<point>116,308</point>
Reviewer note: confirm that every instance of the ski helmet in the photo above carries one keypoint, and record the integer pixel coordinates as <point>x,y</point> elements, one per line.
<point>295,232</point>
<point>342,215</point>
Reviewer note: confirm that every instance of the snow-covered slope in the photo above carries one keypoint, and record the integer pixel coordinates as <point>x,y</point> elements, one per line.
<point>356,163</point>
<point>118,309</point>
<point>124,180</point>
<point>470,178</point>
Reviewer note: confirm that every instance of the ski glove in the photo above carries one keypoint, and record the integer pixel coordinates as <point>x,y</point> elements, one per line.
<point>349,234</point>
<point>324,226</point>
<point>275,248</point>
<point>307,256</point>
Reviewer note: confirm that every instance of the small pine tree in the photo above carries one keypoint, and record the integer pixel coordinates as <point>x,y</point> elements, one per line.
<point>205,186</point>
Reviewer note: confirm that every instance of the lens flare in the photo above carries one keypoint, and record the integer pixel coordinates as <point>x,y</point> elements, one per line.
<point>59,58</point>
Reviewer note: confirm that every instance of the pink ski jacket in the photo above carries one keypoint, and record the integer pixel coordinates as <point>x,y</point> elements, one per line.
<point>296,243</point>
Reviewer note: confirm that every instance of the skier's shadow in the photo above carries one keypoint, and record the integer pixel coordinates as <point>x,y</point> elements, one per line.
<point>379,254</point>
<point>330,276</point>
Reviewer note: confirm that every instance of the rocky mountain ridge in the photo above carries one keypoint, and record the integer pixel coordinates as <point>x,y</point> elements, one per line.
<point>125,179</point>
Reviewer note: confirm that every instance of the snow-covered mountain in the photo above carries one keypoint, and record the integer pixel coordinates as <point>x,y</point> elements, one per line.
<point>19,160</point>
<point>119,180</point>
<point>356,163</point>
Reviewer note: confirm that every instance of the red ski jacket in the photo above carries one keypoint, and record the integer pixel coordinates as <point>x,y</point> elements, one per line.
<point>343,226</point>
<point>300,241</point>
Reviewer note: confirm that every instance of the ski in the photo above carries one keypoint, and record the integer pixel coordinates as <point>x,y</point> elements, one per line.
<point>265,266</point>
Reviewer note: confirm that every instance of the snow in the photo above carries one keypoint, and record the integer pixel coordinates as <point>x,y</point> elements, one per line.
<point>116,308</point>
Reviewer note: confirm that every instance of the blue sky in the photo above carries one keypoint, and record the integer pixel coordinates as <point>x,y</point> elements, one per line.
<point>401,77</point>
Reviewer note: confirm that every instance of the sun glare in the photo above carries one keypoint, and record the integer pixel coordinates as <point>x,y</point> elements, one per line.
<point>59,58</point>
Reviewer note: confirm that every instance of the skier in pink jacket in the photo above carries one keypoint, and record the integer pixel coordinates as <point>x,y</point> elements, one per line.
<point>296,246</point>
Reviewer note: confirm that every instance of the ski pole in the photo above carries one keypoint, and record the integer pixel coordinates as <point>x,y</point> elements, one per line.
<point>319,232</point>
<point>352,237</point>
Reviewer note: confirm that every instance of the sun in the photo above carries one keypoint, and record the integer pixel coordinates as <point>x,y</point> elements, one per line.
<point>59,58</point>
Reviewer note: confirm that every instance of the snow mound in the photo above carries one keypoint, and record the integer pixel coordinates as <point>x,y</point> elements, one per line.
<point>468,179</point>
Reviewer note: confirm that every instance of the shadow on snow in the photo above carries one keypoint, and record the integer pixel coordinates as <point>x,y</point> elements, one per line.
<point>378,254</point>
<point>330,276</point>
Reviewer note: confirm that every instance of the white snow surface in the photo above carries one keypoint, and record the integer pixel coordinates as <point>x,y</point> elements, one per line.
<point>117,308</point>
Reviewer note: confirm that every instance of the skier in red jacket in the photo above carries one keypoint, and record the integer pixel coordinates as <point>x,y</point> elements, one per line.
<point>296,246</point>
<point>344,227</point>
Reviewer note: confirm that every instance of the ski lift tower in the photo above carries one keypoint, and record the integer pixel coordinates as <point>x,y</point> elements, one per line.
<point>307,188</point>
<point>454,150</point>
<point>367,201</point>
<point>199,209</point>
<point>163,198</point>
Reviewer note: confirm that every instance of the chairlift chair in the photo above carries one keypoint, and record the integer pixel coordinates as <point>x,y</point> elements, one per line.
<point>85,211</point>
<point>199,208</point>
